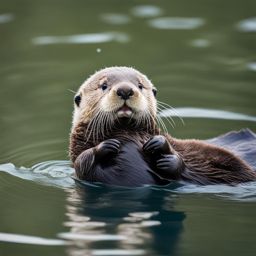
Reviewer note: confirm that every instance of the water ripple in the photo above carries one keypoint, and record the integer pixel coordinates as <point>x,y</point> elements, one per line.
<point>82,38</point>
<point>176,23</point>
<point>200,43</point>
<point>24,239</point>
<point>115,18</point>
<point>42,174</point>
<point>252,66</point>
<point>248,25</point>
<point>206,113</point>
<point>6,17</point>
<point>146,11</point>
<point>51,173</point>
<point>91,237</point>
<point>242,192</point>
<point>118,252</point>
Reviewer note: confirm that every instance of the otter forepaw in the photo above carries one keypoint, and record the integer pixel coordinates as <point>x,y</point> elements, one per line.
<point>169,166</point>
<point>157,144</point>
<point>107,147</point>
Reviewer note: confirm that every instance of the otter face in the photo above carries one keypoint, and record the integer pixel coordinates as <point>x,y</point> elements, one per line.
<point>116,93</point>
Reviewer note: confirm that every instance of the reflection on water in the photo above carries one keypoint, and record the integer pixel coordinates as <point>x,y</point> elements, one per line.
<point>248,25</point>
<point>115,18</point>
<point>146,11</point>
<point>200,43</point>
<point>252,66</point>
<point>176,23</point>
<point>135,217</point>
<point>7,17</point>
<point>22,239</point>
<point>83,39</point>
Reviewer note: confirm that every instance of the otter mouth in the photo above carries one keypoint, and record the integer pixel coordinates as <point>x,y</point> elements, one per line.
<point>124,111</point>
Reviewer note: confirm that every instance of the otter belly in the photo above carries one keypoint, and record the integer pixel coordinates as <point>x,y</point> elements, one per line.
<point>130,167</point>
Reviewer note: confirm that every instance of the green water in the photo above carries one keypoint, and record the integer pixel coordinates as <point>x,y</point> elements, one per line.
<point>208,62</point>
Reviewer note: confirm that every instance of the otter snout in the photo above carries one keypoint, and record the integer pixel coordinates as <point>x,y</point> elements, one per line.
<point>125,92</point>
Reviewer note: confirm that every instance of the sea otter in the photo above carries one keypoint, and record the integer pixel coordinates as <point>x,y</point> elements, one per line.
<point>115,138</point>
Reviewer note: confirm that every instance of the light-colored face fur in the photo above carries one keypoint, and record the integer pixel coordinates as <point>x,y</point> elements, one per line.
<point>97,97</point>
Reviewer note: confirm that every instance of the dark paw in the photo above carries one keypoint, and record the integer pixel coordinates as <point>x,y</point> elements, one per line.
<point>169,166</point>
<point>107,147</point>
<point>157,144</point>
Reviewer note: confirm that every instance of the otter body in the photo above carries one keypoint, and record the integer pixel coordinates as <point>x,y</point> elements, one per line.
<point>115,138</point>
<point>123,158</point>
<point>125,166</point>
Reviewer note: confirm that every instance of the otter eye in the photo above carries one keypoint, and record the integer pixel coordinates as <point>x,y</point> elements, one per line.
<point>154,92</point>
<point>140,86</point>
<point>77,100</point>
<point>104,86</point>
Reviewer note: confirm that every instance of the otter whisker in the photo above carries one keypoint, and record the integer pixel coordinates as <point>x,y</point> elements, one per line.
<point>170,121</point>
<point>91,126</point>
<point>162,124</point>
<point>108,121</point>
<point>71,91</point>
<point>169,118</point>
<point>99,126</point>
<point>151,121</point>
<point>105,122</point>
<point>173,109</point>
<point>147,122</point>
<point>111,121</point>
<point>155,120</point>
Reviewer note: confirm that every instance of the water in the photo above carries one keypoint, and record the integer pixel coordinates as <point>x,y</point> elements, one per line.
<point>201,57</point>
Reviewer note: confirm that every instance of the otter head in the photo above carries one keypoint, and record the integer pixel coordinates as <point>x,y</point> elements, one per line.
<point>115,95</point>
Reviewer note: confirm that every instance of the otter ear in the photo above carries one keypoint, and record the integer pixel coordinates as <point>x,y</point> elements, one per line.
<point>154,90</point>
<point>77,100</point>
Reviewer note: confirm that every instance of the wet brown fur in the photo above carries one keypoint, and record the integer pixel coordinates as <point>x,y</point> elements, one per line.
<point>203,163</point>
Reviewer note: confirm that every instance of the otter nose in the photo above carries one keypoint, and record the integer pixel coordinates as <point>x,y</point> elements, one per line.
<point>125,92</point>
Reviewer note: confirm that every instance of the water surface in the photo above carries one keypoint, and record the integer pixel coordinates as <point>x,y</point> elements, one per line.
<point>201,57</point>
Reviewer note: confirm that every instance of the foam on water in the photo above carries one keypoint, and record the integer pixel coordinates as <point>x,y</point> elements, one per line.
<point>50,173</point>
<point>59,174</point>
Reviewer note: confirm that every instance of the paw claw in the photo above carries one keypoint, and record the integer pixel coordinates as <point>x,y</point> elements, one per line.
<point>107,147</point>
<point>169,162</point>
<point>157,144</point>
